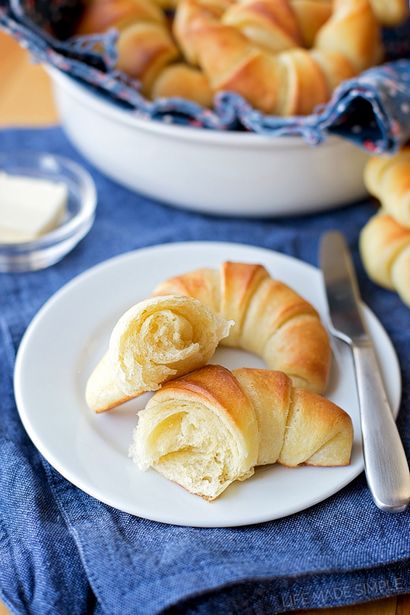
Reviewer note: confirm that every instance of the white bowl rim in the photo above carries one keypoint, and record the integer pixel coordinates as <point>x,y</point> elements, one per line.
<point>184,133</point>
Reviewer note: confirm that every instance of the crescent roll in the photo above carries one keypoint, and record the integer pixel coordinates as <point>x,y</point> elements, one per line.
<point>388,179</point>
<point>212,427</point>
<point>391,12</point>
<point>354,32</point>
<point>271,319</point>
<point>385,251</point>
<point>185,82</point>
<point>155,340</point>
<point>285,57</point>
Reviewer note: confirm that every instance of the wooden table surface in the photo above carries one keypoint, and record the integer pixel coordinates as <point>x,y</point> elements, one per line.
<point>26,100</point>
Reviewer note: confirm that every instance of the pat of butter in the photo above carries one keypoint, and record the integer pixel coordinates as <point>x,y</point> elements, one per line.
<point>29,207</point>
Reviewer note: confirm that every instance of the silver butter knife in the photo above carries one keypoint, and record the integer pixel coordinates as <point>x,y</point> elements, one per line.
<point>386,467</point>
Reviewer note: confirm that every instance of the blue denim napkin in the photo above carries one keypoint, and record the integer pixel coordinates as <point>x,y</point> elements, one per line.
<point>371,109</point>
<point>63,552</point>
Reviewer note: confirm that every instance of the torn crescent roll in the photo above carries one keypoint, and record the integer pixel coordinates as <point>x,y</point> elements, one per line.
<point>270,318</point>
<point>157,339</point>
<point>212,427</point>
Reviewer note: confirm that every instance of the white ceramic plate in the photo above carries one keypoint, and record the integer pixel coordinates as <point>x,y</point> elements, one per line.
<point>70,333</point>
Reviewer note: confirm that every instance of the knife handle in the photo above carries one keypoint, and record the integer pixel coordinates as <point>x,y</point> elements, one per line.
<point>386,466</point>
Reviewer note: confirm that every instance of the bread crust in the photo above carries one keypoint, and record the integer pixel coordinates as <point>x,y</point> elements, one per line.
<point>183,81</point>
<point>144,49</point>
<point>285,57</point>
<point>234,421</point>
<point>391,12</point>
<point>271,319</point>
<point>255,48</point>
<point>385,251</point>
<point>388,179</point>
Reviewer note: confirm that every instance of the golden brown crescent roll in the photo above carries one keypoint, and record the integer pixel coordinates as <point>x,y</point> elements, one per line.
<point>144,49</point>
<point>385,252</point>
<point>192,15</point>
<point>100,15</point>
<point>353,31</point>
<point>255,48</point>
<point>277,25</point>
<point>155,340</point>
<point>232,63</point>
<point>212,427</point>
<point>145,45</point>
<point>334,66</point>
<point>390,12</point>
<point>271,319</point>
<point>303,84</point>
<point>388,179</point>
<point>183,81</point>
<point>284,56</point>
<point>271,24</point>
<point>311,15</point>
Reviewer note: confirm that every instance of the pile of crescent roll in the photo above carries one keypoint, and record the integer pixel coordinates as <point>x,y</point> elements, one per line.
<point>283,56</point>
<point>205,426</point>
<point>385,240</point>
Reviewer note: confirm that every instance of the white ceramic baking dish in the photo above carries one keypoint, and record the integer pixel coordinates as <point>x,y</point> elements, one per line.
<point>223,173</point>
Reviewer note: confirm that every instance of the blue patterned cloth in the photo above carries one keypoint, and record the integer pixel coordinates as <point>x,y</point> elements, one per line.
<point>373,109</point>
<point>64,553</point>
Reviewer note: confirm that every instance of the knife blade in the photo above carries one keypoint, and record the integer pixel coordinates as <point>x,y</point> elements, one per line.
<point>386,466</point>
<point>341,287</point>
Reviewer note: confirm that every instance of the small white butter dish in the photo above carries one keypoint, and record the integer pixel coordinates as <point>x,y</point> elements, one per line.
<point>30,207</point>
<point>75,198</point>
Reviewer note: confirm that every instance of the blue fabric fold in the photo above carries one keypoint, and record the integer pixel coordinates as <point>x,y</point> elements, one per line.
<point>63,552</point>
<point>372,109</point>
